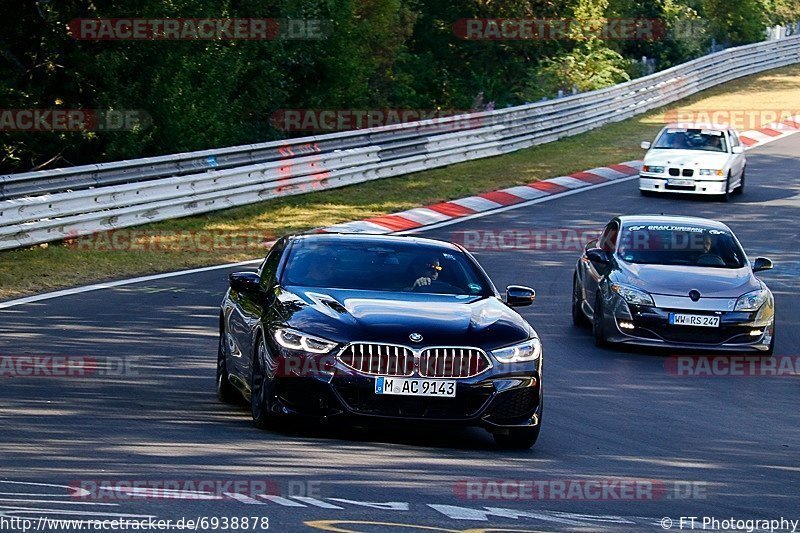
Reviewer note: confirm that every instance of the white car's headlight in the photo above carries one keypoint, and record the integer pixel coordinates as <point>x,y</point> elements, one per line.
<point>530,350</point>
<point>712,172</point>
<point>653,169</point>
<point>633,295</point>
<point>752,301</point>
<point>302,342</point>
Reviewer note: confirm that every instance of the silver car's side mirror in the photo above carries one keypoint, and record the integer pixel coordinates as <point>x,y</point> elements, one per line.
<point>737,150</point>
<point>645,145</point>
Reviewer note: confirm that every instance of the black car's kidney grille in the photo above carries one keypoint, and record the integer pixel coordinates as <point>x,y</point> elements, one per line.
<point>452,362</point>
<point>379,359</point>
<point>392,360</point>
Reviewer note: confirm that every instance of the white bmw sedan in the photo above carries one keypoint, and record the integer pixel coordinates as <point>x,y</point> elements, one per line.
<point>694,159</point>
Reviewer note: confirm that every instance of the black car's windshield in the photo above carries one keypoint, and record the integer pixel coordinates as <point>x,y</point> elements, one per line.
<point>382,266</point>
<point>677,244</point>
<point>692,139</point>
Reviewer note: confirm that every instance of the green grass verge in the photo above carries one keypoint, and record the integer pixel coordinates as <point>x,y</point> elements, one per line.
<point>54,266</point>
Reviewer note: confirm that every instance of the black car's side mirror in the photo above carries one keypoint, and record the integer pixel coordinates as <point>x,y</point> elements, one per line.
<point>597,255</point>
<point>519,296</point>
<point>762,263</point>
<point>247,282</point>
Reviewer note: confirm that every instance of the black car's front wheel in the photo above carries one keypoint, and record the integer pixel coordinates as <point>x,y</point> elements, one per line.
<point>259,406</point>
<point>517,439</point>
<point>226,392</point>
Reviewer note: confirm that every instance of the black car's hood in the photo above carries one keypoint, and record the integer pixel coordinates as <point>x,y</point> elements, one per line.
<point>679,280</point>
<point>390,317</point>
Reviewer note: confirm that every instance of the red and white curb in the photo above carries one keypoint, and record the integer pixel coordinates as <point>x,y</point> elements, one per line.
<point>488,201</point>
<point>447,212</point>
<point>770,132</point>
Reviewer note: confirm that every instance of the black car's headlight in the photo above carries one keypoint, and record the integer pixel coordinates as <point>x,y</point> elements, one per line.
<point>633,295</point>
<point>302,342</point>
<point>530,350</point>
<point>752,301</point>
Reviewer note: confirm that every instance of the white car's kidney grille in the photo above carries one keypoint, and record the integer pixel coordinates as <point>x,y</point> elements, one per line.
<point>436,362</point>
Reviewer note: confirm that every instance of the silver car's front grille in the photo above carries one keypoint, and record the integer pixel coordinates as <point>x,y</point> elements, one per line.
<point>452,362</point>
<point>435,362</point>
<point>379,359</point>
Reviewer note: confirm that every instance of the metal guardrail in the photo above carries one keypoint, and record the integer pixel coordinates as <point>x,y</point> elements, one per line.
<point>44,206</point>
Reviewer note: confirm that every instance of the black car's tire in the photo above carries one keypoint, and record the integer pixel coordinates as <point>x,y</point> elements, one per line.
<point>726,196</point>
<point>578,317</point>
<point>259,406</point>
<point>518,439</point>
<point>226,392</point>
<point>598,328</point>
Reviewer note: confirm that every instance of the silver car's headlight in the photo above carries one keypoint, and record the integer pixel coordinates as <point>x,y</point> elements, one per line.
<point>712,172</point>
<point>633,295</point>
<point>302,342</point>
<point>530,350</point>
<point>752,301</point>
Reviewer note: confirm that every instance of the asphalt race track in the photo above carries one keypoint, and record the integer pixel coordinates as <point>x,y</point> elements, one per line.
<point>712,446</point>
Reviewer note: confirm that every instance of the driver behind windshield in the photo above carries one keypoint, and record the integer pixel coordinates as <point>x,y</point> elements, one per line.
<point>425,272</point>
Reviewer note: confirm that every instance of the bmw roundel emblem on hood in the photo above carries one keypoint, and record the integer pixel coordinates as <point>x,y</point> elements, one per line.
<point>415,337</point>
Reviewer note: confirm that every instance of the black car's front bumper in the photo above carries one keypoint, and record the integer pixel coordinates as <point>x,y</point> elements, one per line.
<point>649,326</point>
<point>495,399</point>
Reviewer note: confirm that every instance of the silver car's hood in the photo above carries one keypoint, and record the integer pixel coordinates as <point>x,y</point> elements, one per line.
<point>679,280</point>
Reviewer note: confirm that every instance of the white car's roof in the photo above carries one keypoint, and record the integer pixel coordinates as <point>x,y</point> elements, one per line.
<point>698,126</point>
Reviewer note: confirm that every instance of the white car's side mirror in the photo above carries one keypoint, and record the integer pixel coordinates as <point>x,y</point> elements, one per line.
<point>737,150</point>
<point>645,145</point>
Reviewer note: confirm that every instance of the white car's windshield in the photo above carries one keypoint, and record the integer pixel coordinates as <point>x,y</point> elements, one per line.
<point>692,139</point>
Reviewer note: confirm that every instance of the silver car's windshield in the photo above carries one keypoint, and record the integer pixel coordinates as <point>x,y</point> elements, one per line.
<point>676,244</point>
<point>692,139</point>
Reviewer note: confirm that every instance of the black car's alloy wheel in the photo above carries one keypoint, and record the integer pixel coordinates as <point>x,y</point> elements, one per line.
<point>259,405</point>
<point>226,392</point>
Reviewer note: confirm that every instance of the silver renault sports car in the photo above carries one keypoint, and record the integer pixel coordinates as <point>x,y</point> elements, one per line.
<point>678,282</point>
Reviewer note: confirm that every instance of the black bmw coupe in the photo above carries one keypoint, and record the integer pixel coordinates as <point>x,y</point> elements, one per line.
<point>381,327</point>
